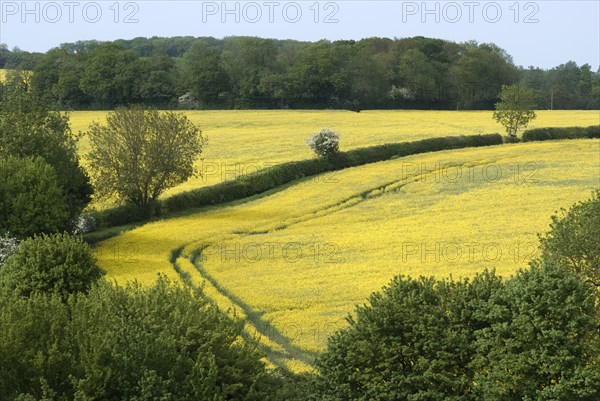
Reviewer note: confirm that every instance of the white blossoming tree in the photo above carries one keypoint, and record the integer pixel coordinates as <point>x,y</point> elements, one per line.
<point>325,143</point>
<point>8,245</point>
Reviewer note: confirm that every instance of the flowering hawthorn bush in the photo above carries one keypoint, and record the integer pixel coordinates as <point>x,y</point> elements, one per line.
<point>8,245</point>
<point>325,143</point>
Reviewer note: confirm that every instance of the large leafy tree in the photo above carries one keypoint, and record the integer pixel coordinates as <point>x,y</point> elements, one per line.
<point>204,74</point>
<point>158,85</point>
<point>414,340</point>
<point>57,75</point>
<point>112,75</point>
<point>140,153</point>
<point>320,76</point>
<point>29,129</point>
<point>515,109</point>
<point>532,337</point>
<point>250,63</point>
<point>478,74</point>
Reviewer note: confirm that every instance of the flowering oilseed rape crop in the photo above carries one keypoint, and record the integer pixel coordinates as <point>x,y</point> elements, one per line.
<point>295,262</point>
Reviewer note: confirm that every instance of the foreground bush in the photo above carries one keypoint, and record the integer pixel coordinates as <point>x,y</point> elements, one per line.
<point>58,264</point>
<point>574,239</point>
<point>415,340</point>
<point>533,337</point>
<point>541,341</point>
<point>31,201</point>
<point>126,343</point>
<point>28,128</point>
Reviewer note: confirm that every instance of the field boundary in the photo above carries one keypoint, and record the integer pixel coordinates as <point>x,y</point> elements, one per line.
<point>269,179</point>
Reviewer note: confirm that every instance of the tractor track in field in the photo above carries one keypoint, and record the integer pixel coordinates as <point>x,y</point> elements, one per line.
<point>390,187</point>
<point>262,326</point>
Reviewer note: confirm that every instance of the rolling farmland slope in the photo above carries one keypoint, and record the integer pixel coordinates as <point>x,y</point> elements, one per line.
<point>295,261</point>
<point>241,142</point>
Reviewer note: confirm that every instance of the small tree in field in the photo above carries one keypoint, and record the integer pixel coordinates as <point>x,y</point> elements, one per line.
<point>515,109</point>
<point>325,143</point>
<point>140,153</point>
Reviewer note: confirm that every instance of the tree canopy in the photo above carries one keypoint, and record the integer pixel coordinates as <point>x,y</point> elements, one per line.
<point>515,109</point>
<point>31,201</point>
<point>28,128</point>
<point>250,72</point>
<point>140,153</point>
<point>573,240</point>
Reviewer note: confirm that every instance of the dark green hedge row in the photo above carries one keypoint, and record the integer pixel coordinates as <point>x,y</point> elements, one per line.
<point>549,133</point>
<point>270,178</point>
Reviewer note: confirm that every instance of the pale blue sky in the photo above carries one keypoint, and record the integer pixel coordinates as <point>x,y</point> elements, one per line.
<point>541,33</point>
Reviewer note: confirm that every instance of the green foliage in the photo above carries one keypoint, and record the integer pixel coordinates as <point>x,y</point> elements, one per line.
<point>29,129</point>
<point>141,153</point>
<point>205,75</point>
<point>515,109</point>
<point>31,201</point>
<point>57,263</point>
<point>414,340</point>
<point>532,337</point>
<point>56,78</point>
<point>36,346</point>
<point>542,342</point>
<point>555,133</point>
<point>126,343</point>
<point>574,239</point>
<point>479,75</point>
<point>251,72</point>
<point>111,75</point>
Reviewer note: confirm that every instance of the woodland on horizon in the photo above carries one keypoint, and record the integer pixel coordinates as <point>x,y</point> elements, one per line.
<point>256,73</point>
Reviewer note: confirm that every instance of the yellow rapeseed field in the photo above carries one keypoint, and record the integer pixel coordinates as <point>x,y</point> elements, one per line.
<point>296,262</point>
<point>240,142</point>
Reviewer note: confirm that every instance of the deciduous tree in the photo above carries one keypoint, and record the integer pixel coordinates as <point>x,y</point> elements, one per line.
<point>515,109</point>
<point>141,153</point>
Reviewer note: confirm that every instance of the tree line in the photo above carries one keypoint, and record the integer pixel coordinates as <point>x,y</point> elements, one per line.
<point>251,72</point>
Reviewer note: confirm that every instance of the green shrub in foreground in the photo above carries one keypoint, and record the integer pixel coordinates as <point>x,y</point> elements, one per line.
<point>574,239</point>
<point>31,201</point>
<point>57,263</point>
<point>126,343</point>
<point>532,337</point>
